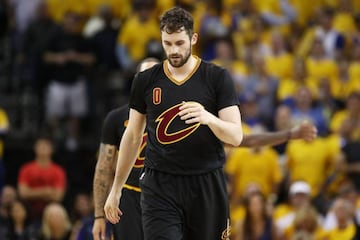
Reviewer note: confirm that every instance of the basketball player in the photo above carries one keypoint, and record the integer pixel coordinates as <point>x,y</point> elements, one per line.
<point>190,109</point>
<point>113,128</point>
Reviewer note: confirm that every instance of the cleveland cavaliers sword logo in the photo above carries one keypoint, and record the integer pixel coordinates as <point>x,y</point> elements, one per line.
<point>165,120</point>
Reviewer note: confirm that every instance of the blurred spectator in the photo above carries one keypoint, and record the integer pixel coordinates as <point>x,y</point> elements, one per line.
<point>257,223</point>
<point>263,169</point>
<point>214,25</point>
<point>41,181</point>
<point>55,223</point>
<point>279,62</point>
<point>349,119</point>
<point>319,67</point>
<point>8,196</point>
<point>350,131</point>
<point>24,13</point>
<point>288,87</point>
<point>131,45</point>
<point>304,109</point>
<point>349,193</point>
<point>284,214</point>
<point>264,87</point>
<point>69,55</point>
<point>345,228</point>
<point>249,109</point>
<point>36,38</point>
<point>301,155</point>
<point>332,40</point>
<point>104,40</point>
<point>344,21</point>
<point>340,122</point>
<point>278,13</point>
<point>4,128</point>
<point>306,225</point>
<point>19,225</point>
<point>354,67</point>
<point>82,217</point>
<point>225,57</point>
<point>344,85</point>
<point>355,38</point>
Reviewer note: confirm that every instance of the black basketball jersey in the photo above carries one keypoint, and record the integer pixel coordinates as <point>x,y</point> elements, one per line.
<point>112,131</point>
<point>173,146</point>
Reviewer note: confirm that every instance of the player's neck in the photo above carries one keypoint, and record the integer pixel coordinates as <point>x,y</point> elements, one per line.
<point>182,72</point>
<point>43,161</point>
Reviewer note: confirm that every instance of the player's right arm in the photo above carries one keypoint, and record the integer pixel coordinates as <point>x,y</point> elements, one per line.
<point>128,151</point>
<point>103,178</point>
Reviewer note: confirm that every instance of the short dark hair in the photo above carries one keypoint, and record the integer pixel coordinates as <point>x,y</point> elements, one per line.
<point>175,19</point>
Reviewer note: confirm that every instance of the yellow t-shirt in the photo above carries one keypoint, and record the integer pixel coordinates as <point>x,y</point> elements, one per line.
<point>344,234</point>
<point>247,166</point>
<point>344,23</point>
<point>309,162</point>
<point>322,69</point>
<point>136,41</point>
<point>341,90</point>
<point>279,66</point>
<point>354,70</point>
<point>4,127</point>
<point>337,119</point>
<point>305,11</point>
<point>289,87</point>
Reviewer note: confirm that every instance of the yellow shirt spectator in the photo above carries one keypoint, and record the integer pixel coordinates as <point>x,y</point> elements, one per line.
<point>135,42</point>
<point>337,120</point>
<point>248,166</point>
<point>289,87</point>
<point>344,22</point>
<point>344,234</point>
<point>305,11</point>
<point>279,66</point>
<point>309,162</point>
<point>321,69</point>
<point>342,89</point>
<point>354,70</point>
<point>4,127</point>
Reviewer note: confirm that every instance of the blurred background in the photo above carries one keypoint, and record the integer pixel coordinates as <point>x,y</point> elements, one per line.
<point>64,64</point>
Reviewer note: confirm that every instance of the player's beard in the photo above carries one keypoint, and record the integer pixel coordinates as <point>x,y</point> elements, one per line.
<point>180,60</point>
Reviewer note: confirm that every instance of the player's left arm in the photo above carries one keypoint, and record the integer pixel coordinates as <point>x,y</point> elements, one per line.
<point>305,131</point>
<point>227,127</point>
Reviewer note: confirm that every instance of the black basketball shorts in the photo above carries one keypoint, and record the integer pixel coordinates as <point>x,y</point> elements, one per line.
<point>190,207</point>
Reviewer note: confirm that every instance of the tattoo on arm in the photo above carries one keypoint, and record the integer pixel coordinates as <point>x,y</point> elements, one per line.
<point>104,176</point>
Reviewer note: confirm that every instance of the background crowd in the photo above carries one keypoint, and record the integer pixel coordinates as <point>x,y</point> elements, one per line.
<point>64,64</point>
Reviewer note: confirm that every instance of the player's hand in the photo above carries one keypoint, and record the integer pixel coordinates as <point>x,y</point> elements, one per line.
<point>194,112</point>
<point>99,229</point>
<point>111,208</point>
<point>306,131</point>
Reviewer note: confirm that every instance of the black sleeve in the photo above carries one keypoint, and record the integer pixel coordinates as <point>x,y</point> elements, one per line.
<point>113,123</point>
<point>137,100</point>
<point>225,91</point>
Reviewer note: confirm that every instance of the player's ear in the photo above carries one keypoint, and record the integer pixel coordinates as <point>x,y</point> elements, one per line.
<point>194,38</point>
